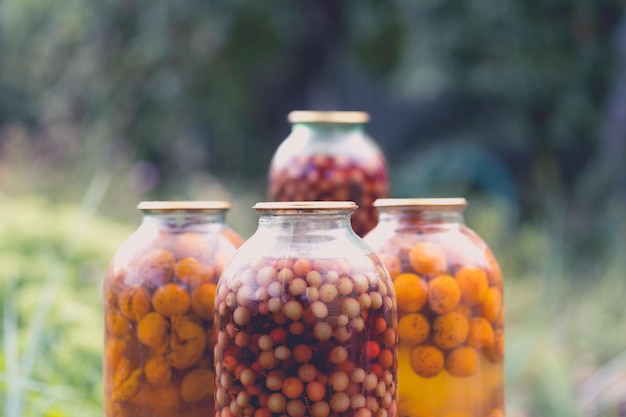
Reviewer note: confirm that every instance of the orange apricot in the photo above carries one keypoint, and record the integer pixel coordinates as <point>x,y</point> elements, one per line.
<point>196,385</point>
<point>444,294</point>
<point>473,283</point>
<point>187,342</point>
<point>134,303</point>
<point>492,305</point>
<point>450,330</point>
<point>413,329</point>
<point>192,272</point>
<point>171,300</point>
<point>391,263</point>
<point>117,324</point>
<point>115,350</point>
<point>410,292</point>
<point>426,360</point>
<point>428,258</point>
<point>129,387</point>
<point>203,301</point>
<point>156,267</point>
<point>166,398</point>
<point>122,371</point>
<point>157,371</point>
<point>462,361</point>
<point>480,335</point>
<point>465,310</point>
<point>152,330</point>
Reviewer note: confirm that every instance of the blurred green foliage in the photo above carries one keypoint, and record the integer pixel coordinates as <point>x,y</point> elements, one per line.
<point>203,86</point>
<point>52,260</point>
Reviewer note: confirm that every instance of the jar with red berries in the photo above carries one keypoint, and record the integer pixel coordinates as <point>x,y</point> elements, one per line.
<point>158,309</point>
<point>328,156</point>
<point>306,319</point>
<point>450,301</point>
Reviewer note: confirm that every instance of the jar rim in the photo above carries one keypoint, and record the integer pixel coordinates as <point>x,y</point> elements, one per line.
<point>421,202</point>
<point>314,116</point>
<point>304,206</point>
<point>184,205</point>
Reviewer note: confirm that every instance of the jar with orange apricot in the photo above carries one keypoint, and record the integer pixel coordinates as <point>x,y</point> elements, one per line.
<point>450,302</point>
<point>306,320</point>
<point>159,308</point>
<point>329,156</point>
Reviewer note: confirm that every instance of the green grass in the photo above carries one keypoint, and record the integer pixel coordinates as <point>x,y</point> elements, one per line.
<point>52,260</point>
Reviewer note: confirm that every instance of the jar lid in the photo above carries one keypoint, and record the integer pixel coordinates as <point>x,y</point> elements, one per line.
<point>303,206</point>
<point>306,116</point>
<point>183,205</point>
<point>421,202</point>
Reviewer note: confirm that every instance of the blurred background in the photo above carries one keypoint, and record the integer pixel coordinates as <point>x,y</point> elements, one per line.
<point>519,106</point>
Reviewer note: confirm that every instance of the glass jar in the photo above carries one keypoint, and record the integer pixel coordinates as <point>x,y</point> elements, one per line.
<point>305,319</point>
<point>450,302</point>
<point>328,156</point>
<point>158,309</point>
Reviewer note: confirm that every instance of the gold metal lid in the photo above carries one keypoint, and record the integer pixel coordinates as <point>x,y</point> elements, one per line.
<point>183,205</point>
<point>301,206</point>
<point>305,116</point>
<point>421,202</point>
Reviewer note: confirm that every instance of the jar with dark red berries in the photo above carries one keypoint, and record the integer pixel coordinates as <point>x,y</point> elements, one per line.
<point>329,156</point>
<point>306,320</point>
<point>451,313</point>
<point>158,309</point>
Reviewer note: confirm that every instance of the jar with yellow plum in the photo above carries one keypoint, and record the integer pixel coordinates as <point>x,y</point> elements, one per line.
<point>306,320</point>
<point>450,300</point>
<point>158,308</point>
<point>329,156</point>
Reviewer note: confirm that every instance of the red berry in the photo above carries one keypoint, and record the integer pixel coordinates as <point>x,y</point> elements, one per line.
<point>371,349</point>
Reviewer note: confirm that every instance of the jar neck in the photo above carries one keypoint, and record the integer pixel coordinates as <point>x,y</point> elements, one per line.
<point>185,220</point>
<point>327,129</point>
<point>306,223</point>
<point>420,215</point>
